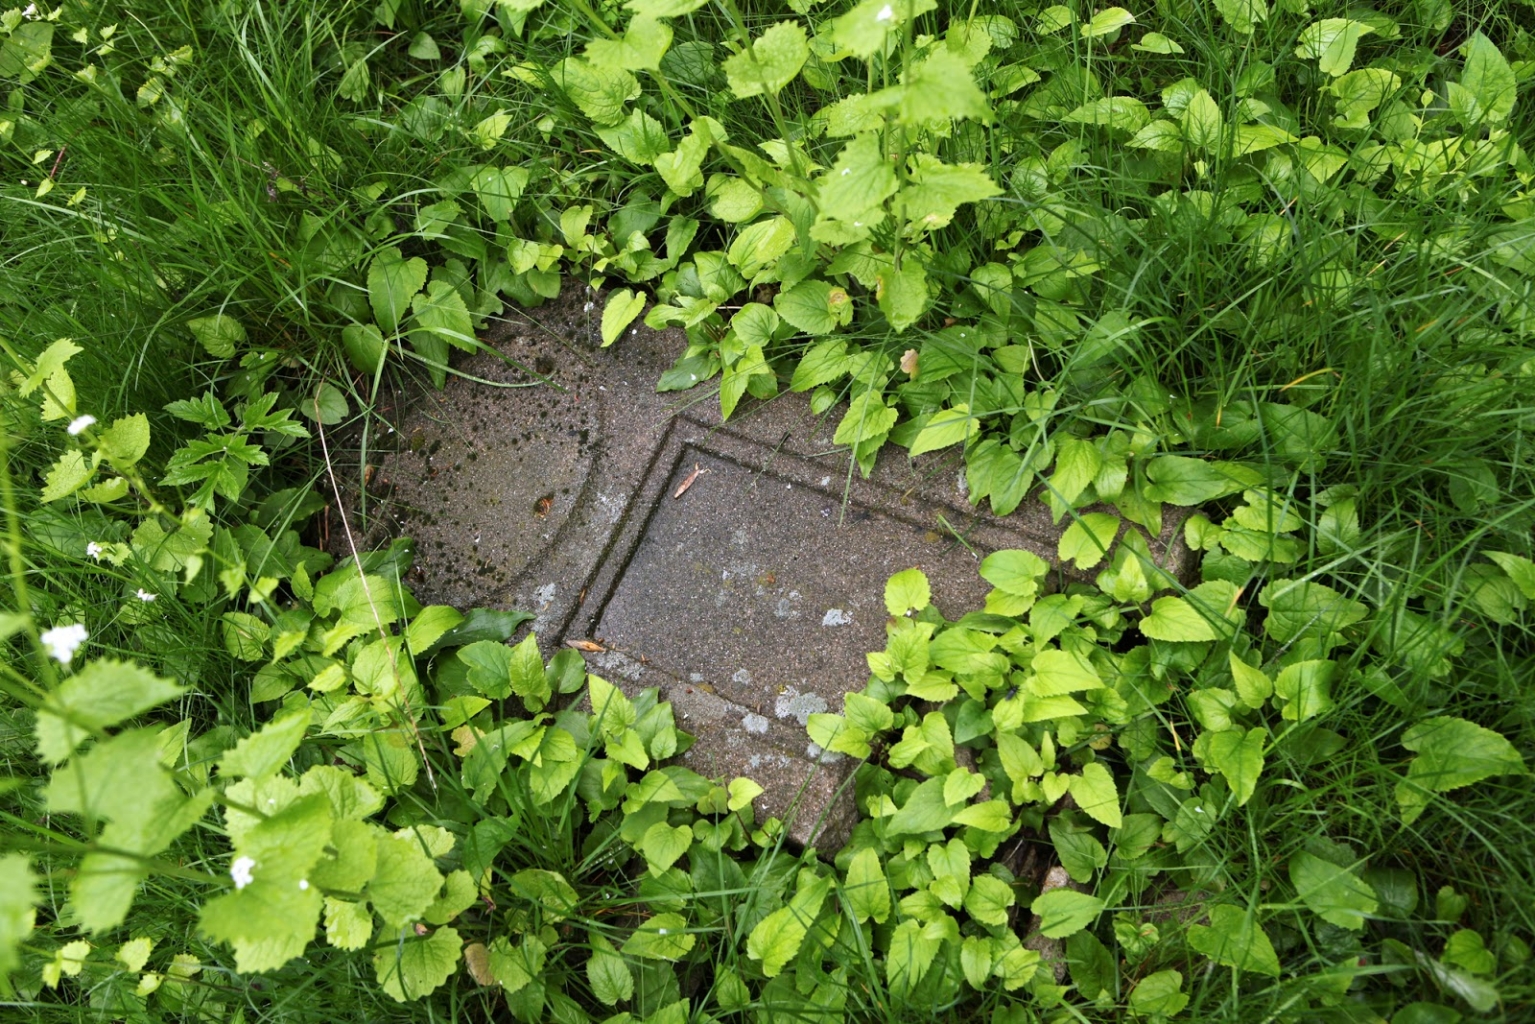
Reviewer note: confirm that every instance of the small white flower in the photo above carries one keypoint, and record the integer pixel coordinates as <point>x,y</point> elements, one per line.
<point>63,641</point>
<point>885,13</point>
<point>95,550</point>
<point>240,871</point>
<point>146,596</point>
<point>660,931</point>
<point>79,423</point>
<point>303,884</point>
<point>30,13</point>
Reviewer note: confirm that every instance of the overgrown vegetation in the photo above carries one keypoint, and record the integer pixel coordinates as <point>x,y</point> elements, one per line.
<point>1273,259</point>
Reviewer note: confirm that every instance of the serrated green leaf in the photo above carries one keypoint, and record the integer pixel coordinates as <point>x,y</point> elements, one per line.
<point>859,181</point>
<point>867,417</point>
<point>525,674</point>
<point>549,889</point>
<point>1334,893</point>
<point>942,88</point>
<point>602,93</point>
<point>392,281</point>
<point>105,693</point>
<point>1234,938</point>
<point>772,62</point>
<point>862,31</point>
<point>907,590</point>
<point>1488,80</point>
<point>1159,995</point>
<point>611,980</point>
<point>815,307</point>
<point>1451,753</point>
<point>219,334</point>
<point>1332,42</point>
<point>1106,22</point>
<point>988,900</point>
<point>777,938</point>
<point>641,47</point>
<point>866,890</point>
<point>1063,912</point>
<point>945,427</point>
<point>1095,793</point>
<point>1087,540</point>
<point>663,844</point>
<point>71,472</point>
<point>1238,756</point>
<point>417,966</point>
<point>440,313</point>
<point>266,751</point>
<point>936,190</point>
<point>268,922</point>
<point>1014,571</point>
<point>902,294</point>
<point>1202,122</point>
<point>405,881</point>
<point>822,363</point>
<point>663,937</point>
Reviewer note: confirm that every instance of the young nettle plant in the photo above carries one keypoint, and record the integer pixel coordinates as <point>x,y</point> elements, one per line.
<point>1124,739</point>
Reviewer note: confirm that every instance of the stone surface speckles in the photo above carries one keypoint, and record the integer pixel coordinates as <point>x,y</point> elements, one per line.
<point>750,600</point>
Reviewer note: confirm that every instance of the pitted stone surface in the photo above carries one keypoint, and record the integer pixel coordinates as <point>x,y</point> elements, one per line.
<point>750,600</point>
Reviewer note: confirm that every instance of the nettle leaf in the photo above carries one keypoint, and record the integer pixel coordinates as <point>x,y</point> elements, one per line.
<point>867,417</point>
<point>622,306</point>
<point>218,334</point>
<point>526,676</point>
<point>1302,608</point>
<point>392,281</point>
<point>1087,540</point>
<point>866,890</point>
<point>641,47</point>
<point>815,307</point>
<point>105,693</point>
<point>663,937</point>
<point>859,181</point>
<point>265,752</point>
<point>862,30</point>
<point>611,980</point>
<point>602,93</point>
<point>902,294</point>
<point>1332,42</point>
<point>415,966</point>
<point>440,312</point>
<point>937,190</point>
<point>1063,912</point>
<point>1122,113</point>
<point>1107,22</point>
<point>772,62</point>
<point>1202,122</point>
<point>1334,893</point>
<point>1095,793</point>
<point>943,428</point>
<point>1451,753</point>
<point>663,844</point>
<point>1234,938</point>
<point>1487,88</point>
<point>942,88</point>
<point>1236,755</point>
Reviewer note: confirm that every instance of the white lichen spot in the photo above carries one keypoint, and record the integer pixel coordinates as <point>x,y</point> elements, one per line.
<point>544,596</point>
<point>798,706</point>
<point>836,617</point>
<point>825,480</point>
<point>742,676</point>
<point>816,752</point>
<point>754,723</point>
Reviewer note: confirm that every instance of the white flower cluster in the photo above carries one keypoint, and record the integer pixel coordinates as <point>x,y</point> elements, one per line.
<point>63,641</point>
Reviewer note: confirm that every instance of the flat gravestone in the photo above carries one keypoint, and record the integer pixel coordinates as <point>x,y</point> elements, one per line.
<point>551,479</point>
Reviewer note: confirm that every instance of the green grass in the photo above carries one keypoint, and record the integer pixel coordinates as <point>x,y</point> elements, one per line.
<point>261,187</point>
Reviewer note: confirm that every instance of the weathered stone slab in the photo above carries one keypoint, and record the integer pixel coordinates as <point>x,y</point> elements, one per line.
<point>749,599</point>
